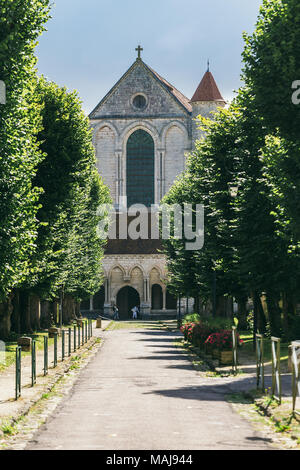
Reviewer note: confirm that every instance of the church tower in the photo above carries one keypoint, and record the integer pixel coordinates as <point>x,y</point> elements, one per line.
<point>206,100</point>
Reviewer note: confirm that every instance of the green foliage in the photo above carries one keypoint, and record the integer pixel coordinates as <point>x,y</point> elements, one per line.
<point>217,323</point>
<point>69,249</point>
<point>50,190</point>
<point>272,64</point>
<point>246,173</point>
<point>193,317</point>
<point>21,22</point>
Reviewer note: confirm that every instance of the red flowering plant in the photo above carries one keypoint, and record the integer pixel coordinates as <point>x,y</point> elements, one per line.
<point>222,340</point>
<point>185,329</point>
<point>200,333</point>
<point>188,330</point>
<point>196,332</point>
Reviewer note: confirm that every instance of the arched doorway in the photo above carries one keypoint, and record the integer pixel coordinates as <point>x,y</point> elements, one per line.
<point>127,298</point>
<point>156,297</point>
<point>140,169</point>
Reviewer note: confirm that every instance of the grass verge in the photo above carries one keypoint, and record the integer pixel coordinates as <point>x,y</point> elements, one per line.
<point>121,325</point>
<point>262,409</point>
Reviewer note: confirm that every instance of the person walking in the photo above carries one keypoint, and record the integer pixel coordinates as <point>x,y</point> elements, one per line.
<point>116,312</point>
<point>134,312</point>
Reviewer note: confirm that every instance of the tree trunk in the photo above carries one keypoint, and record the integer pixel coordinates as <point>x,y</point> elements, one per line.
<point>77,309</point>
<point>242,312</point>
<point>35,311</point>
<point>68,309</point>
<point>16,314</point>
<point>54,312</point>
<point>46,320</point>
<point>259,320</point>
<point>261,317</point>
<point>221,310</point>
<point>274,313</point>
<point>289,311</point>
<point>25,312</point>
<point>6,309</point>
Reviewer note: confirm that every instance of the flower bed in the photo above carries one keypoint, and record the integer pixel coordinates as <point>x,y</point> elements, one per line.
<point>197,333</point>
<point>208,337</point>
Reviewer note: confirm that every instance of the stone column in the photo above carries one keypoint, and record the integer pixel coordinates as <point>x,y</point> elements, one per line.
<point>119,178</point>
<point>106,289</point>
<point>162,183</point>
<point>107,303</point>
<point>148,291</point>
<point>160,175</point>
<point>164,298</point>
<point>146,304</point>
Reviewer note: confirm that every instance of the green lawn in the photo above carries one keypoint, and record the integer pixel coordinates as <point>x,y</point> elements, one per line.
<point>247,347</point>
<point>10,347</point>
<point>120,325</point>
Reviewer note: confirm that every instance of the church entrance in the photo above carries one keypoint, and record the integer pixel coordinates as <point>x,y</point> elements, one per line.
<point>127,298</point>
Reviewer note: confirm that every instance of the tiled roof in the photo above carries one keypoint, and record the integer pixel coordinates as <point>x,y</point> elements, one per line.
<point>178,95</point>
<point>207,90</point>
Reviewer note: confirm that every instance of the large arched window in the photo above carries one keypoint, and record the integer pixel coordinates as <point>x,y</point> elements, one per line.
<point>140,169</point>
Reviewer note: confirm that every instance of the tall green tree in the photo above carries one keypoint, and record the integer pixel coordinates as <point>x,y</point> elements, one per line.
<point>242,250</point>
<point>272,64</point>
<point>69,250</point>
<point>272,73</point>
<point>21,22</point>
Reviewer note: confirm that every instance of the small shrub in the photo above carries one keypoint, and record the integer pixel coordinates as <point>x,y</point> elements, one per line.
<point>222,340</point>
<point>192,318</point>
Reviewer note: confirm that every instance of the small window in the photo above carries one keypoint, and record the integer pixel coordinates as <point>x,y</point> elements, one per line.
<point>139,102</point>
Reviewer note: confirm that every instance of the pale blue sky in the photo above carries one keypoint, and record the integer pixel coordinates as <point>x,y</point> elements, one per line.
<point>91,43</point>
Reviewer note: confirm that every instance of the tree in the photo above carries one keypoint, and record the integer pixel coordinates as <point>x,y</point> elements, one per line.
<point>69,250</point>
<point>281,172</point>
<point>21,22</point>
<point>272,64</point>
<point>271,73</point>
<point>241,247</point>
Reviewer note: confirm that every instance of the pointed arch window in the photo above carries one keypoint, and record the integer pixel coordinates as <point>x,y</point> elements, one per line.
<point>140,169</point>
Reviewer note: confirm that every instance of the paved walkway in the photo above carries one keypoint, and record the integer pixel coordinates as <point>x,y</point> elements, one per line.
<point>9,407</point>
<point>141,392</point>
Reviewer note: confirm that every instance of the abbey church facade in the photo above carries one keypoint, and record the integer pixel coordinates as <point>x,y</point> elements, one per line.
<point>142,131</point>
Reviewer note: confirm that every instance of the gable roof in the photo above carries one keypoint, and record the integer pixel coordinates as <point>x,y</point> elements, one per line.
<point>182,100</point>
<point>207,90</point>
<point>176,93</point>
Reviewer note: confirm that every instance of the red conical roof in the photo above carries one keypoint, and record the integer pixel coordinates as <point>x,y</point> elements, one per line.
<point>207,90</point>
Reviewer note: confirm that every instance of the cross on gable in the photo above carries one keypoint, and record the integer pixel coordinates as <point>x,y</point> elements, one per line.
<point>139,49</point>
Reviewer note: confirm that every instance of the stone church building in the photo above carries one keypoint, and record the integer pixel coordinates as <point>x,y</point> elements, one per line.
<point>142,131</point>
